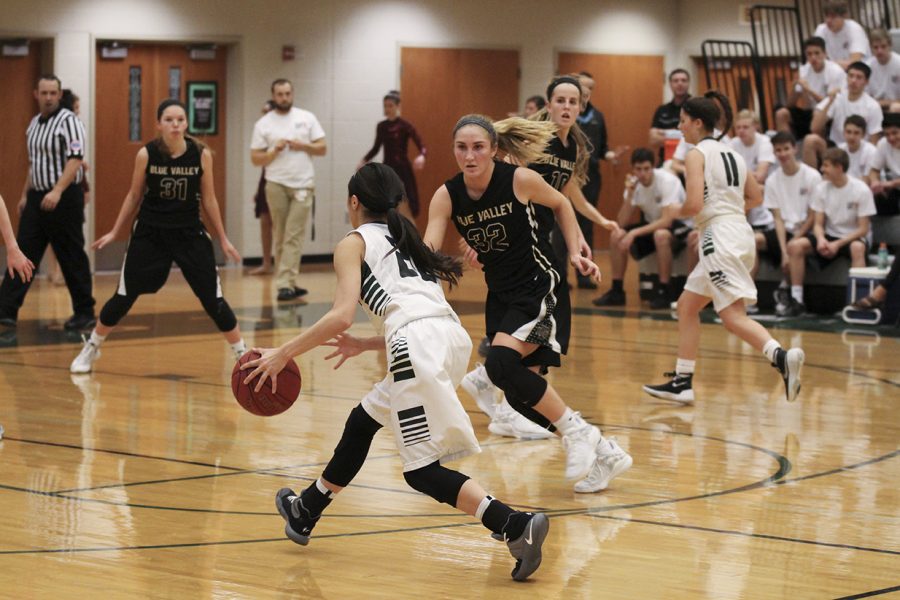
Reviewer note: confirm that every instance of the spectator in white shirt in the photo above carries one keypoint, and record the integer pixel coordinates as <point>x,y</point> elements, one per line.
<point>284,141</point>
<point>657,195</point>
<point>838,106</point>
<point>817,78</point>
<point>884,171</point>
<point>845,39</point>
<point>860,150</point>
<point>884,84</point>
<point>788,192</point>
<point>842,207</point>
<point>756,150</point>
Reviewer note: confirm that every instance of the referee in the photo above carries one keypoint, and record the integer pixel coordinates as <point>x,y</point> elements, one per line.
<point>52,206</point>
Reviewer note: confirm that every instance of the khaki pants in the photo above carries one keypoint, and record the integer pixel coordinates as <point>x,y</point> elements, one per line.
<point>289,208</point>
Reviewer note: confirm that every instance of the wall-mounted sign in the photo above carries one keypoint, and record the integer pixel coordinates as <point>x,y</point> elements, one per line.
<point>202,104</point>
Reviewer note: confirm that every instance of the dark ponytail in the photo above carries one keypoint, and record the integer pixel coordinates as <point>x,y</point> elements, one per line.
<point>725,105</point>
<point>709,109</point>
<point>379,189</point>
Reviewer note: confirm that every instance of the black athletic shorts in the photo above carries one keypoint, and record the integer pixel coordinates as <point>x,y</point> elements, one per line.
<point>543,313</point>
<point>802,120</point>
<point>773,249</point>
<point>151,252</point>
<point>844,251</point>
<point>644,245</point>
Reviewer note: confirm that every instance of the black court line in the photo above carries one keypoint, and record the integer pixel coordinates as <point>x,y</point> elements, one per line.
<point>895,588</point>
<point>230,542</point>
<point>841,469</point>
<point>121,453</point>
<point>556,513</point>
<point>784,467</point>
<point>763,536</point>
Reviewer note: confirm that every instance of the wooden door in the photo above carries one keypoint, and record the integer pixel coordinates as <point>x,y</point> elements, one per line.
<point>438,86</point>
<point>17,105</point>
<point>628,90</point>
<point>162,67</point>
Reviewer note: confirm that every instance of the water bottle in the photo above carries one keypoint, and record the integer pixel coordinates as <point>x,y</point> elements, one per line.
<point>882,256</point>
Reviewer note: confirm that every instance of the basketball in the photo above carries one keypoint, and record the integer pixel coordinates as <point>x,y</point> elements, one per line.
<point>265,403</point>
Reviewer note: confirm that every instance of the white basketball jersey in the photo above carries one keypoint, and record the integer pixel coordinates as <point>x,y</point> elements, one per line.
<point>393,291</point>
<point>724,175</point>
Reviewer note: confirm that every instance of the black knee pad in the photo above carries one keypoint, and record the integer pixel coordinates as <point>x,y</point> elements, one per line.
<point>529,413</point>
<point>506,370</point>
<point>220,312</point>
<point>115,309</point>
<point>351,451</point>
<point>439,482</point>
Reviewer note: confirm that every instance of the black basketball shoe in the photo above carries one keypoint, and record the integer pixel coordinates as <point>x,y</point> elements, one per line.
<point>677,388</point>
<point>298,522</point>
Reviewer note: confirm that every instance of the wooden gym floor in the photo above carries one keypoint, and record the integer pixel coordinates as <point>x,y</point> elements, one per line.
<point>146,479</point>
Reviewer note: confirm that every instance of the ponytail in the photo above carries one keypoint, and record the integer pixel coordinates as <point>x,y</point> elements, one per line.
<point>379,189</point>
<point>709,109</point>
<point>524,140</point>
<point>725,105</point>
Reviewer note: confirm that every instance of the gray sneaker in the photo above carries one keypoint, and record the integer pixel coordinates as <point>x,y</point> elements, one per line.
<point>526,549</point>
<point>298,523</point>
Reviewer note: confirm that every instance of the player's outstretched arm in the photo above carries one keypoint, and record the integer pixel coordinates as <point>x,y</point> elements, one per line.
<point>16,262</point>
<point>439,212</point>
<point>132,201</point>
<point>347,346</point>
<point>348,257</point>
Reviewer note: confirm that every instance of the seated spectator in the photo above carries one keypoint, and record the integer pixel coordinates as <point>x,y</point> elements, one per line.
<point>860,150</point>
<point>845,39</point>
<point>787,194</point>
<point>817,78</point>
<point>756,149</point>
<point>838,106</point>
<point>658,195</point>
<point>878,296</point>
<point>884,84</point>
<point>887,160</point>
<point>842,207</point>
<point>665,120</point>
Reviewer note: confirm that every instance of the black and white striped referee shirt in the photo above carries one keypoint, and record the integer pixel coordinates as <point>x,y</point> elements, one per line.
<point>52,141</point>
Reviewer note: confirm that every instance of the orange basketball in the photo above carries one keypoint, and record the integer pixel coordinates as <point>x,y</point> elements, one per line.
<point>265,403</point>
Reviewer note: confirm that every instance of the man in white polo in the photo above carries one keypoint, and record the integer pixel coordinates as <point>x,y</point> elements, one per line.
<point>284,140</point>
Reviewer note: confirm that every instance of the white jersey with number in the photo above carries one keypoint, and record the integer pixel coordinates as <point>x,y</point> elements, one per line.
<point>724,175</point>
<point>393,291</point>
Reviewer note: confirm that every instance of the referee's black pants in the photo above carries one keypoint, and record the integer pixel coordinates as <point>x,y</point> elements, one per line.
<point>62,229</point>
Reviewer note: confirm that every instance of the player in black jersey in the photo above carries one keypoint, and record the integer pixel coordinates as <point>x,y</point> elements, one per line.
<point>491,204</point>
<point>172,177</point>
<point>563,166</point>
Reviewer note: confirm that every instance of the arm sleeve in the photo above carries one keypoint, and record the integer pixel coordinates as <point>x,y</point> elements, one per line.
<point>770,196</point>
<point>671,191</point>
<point>878,159</point>
<point>258,141</point>
<point>71,130</point>
<point>766,151</point>
<point>873,123</point>
<point>379,139</point>
<point>316,132</point>
<point>859,41</point>
<point>817,201</point>
<point>601,144</point>
<point>417,140</point>
<point>866,202</point>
